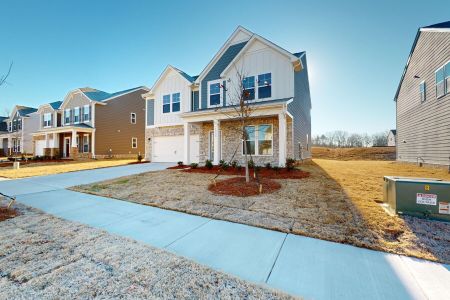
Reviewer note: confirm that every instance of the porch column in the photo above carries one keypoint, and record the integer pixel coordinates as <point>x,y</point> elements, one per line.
<point>10,150</point>
<point>74,139</point>
<point>93,143</point>
<point>216,142</point>
<point>46,141</point>
<point>187,144</point>
<point>281,139</point>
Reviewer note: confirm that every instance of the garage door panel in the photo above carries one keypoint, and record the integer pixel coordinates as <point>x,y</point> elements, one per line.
<point>171,148</point>
<point>39,147</point>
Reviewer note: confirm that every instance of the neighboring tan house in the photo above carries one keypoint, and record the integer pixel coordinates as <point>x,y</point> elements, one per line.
<point>90,123</point>
<point>20,125</point>
<point>423,99</point>
<point>392,138</point>
<point>188,118</point>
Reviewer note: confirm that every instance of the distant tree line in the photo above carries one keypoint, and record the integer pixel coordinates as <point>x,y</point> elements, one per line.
<point>343,139</point>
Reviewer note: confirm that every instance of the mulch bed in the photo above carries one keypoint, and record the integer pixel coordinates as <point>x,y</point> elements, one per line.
<point>6,214</point>
<point>138,162</point>
<point>237,186</point>
<point>178,167</point>
<point>282,173</point>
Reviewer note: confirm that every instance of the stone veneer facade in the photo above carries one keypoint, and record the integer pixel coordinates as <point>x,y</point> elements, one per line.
<point>231,139</point>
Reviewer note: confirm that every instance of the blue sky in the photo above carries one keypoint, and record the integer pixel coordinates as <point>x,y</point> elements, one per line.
<point>356,50</point>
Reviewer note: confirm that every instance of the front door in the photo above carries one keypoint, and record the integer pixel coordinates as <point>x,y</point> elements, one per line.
<point>66,146</point>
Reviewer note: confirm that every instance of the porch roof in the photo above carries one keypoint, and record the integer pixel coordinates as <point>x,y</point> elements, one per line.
<point>76,127</point>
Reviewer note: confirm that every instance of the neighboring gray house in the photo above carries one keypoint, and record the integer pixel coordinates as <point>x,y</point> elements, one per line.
<point>392,138</point>
<point>423,99</point>
<point>184,122</point>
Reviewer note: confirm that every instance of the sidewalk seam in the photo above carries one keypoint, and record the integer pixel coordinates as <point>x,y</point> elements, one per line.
<point>189,232</point>
<point>276,258</point>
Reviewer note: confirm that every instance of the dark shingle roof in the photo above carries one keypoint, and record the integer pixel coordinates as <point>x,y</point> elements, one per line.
<point>298,54</point>
<point>394,131</point>
<point>55,105</point>
<point>185,75</point>
<point>439,25</point>
<point>25,111</point>
<point>97,95</point>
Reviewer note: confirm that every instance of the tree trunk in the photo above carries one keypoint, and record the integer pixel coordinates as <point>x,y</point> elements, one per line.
<point>247,173</point>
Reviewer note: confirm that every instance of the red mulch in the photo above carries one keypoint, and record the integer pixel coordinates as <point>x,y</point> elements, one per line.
<point>138,162</point>
<point>177,167</point>
<point>237,186</point>
<point>281,173</point>
<point>7,213</point>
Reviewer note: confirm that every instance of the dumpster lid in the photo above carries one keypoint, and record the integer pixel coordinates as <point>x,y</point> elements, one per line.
<point>412,179</point>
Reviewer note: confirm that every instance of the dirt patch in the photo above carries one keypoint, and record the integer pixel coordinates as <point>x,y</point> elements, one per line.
<point>281,173</point>
<point>372,153</point>
<point>178,167</point>
<point>6,213</point>
<point>237,186</point>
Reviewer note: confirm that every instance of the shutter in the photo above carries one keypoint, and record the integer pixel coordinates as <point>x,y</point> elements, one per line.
<point>51,120</point>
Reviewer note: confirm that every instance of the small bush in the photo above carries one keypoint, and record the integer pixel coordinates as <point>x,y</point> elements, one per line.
<point>194,165</point>
<point>221,162</point>
<point>139,157</point>
<point>235,164</point>
<point>22,157</point>
<point>208,164</point>
<point>251,164</point>
<point>180,163</point>
<point>225,166</point>
<point>290,164</point>
<point>268,166</point>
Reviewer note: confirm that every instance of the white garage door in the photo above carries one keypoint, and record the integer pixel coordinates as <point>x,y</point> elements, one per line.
<point>170,148</point>
<point>39,149</point>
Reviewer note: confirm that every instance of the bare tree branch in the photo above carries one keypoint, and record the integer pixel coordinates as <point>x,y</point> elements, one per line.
<point>4,77</point>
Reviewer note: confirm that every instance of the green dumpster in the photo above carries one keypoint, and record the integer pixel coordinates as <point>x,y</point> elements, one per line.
<point>420,197</point>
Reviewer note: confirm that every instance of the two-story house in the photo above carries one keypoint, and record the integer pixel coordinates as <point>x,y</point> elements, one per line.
<point>91,123</point>
<point>423,99</point>
<point>20,125</point>
<point>190,118</point>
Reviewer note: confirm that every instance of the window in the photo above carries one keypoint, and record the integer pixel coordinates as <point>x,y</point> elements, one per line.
<point>214,94</point>
<point>76,115</point>
<point>14,125</point>
<point>86,113</point>
<point>259,140</point>
<point>166,104</point>
<point>422,89</point>
<point>265,85</point>
<point>10,126</point>
<point>134,142</point>
<point>264,139</point>
<point>19,124</point>
<point>133,118</point>
<point>78,144</point>
<point>440,84</point>
<point>447,78</point>
<point>47,120</point>
<point>85,143</point>
<point>249,88</point>
<point>175,102</point>
<point>250,140</point>
<point>67,116</point>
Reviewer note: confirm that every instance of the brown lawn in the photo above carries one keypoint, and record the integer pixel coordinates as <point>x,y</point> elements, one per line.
<point>375,153</point>
<point>337,202</point>
<point>48,168</point>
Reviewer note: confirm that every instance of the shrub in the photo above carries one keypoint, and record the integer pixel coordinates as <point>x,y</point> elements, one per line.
<point>221,162</point>
<point>235,164</point>
<point>251,164</point>
<point>268,166</point>
<point>290,163</point>
<point>22,157</point>
<point>139,157</point>
<point>208,164</point>
<point>180,163</point>
<point>194,165</point>
<point>225,166</point>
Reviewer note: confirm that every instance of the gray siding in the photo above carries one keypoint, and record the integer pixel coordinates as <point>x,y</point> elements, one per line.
<point>150,112</point>
<point>300,109</point>
<point>423,129</point>
<point>215,71</point>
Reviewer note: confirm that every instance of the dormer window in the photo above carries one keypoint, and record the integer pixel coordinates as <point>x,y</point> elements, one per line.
<point>76,115</point>
<point>265,85</point>
<point>214,94</point>
<point>248,85</point>
<point>47,120</point>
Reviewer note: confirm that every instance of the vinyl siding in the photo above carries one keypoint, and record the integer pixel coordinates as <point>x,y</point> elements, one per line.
<point>423,129</point>
<point>300,109</point>
<point>150,112</point>
<point>76,100</point>
<point>113,128</point>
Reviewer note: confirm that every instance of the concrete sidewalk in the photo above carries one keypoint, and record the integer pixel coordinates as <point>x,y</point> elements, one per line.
<point>311,268</point>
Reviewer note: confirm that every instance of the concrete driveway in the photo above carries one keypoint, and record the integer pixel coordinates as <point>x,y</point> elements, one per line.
<point>307,267</point>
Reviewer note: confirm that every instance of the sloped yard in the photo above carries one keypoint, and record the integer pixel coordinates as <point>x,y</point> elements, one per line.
<point>43,257</point>
<point>338,202</point>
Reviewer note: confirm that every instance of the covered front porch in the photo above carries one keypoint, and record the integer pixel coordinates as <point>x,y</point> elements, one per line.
<point>70,142</point>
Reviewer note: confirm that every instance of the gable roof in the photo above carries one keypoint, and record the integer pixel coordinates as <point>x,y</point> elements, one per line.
<point>169,68</point>
<point>55,105</point>
<point>394,131</point>
<point>24,111</point>
<point>445,26</point>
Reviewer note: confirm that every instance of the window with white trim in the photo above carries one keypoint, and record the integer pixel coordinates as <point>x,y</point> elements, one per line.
<point>259,140</point>
<point>440,84</point>
<point>133,118</point>
<point>85,143</point>
<point>67,113</point>
<point>86,113</point>
<point>447,78</point>
<point>134,142</point>
<point>175,102</point>
<point>19,124</point>
<point>214,95</point>
<point>422,90</point>
<point>265,85</point>
<point>166,104</point>
<point>248,84</point>
<point>47,120</point>
<point>76,115</point>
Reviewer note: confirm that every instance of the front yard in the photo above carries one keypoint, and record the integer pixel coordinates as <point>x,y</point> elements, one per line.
<point>43,257</point>
<point>49,168</point>
<point>338,202</point>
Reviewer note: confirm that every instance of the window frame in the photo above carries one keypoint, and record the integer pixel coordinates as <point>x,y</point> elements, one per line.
<point>76,109</point>
<point>262,86</point>
<point>67,116</point>
<point>446,76</point>
<point>178,94</point>
<point>257,140</point>
<point>133,142</point>
<point>218,81</point>
<point>133,118</point>
<point>165,104</point>
<point>254,87</point>
<point>88,119</point>
<point>47,123</point>
<point>436,82</point>
<point>85,143</point>
<point>423,83</point>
